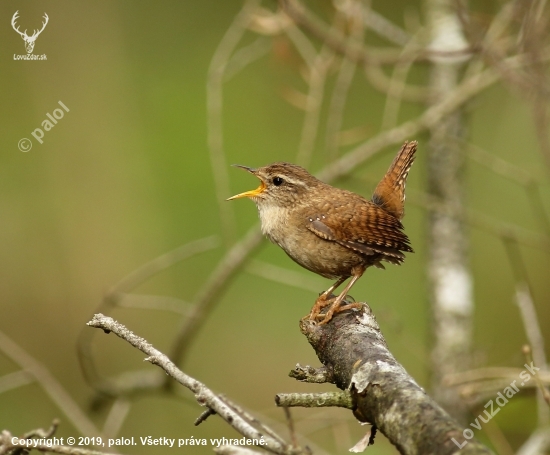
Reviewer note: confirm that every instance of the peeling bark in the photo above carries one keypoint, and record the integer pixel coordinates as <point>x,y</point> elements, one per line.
<point>353,350</point>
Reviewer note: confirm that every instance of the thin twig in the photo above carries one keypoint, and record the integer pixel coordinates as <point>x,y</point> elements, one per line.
<point>486,223</point>
<point>488,373</point>
<point>497,438</point>
<point>465,91</point>
<point>542,389</point>
<point>163,262</point>
<point>498,165</point>
<point>154,302</point>
<point>285,276</point>
<point>265,422</point>
<point>515,174</point>
<point>253,420</point>
<point>343,83</point>
<point>397,84</point>
<point>120,291</point>
<point>204,415</point>
<point>529,318</point>
<point>8,445</point>
<point>384,27</point>
<point>15,380</point>
<point>537,443</point>
<point>50,385</point>
<point>215,79</point>
<point>212,289</point>
<point>317,77</point>
<point>357,51</point>
<point>116,417</point>
<point>302,44</point>
<point>291,428</point>
<point>341,399</point>
<point>235,450</point>
<point>41,433</point>
<point>203,394</point>
<point>245,56</point>
<point>378,79</point>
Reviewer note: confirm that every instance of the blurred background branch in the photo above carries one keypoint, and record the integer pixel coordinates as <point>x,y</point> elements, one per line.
<point>332,85</point>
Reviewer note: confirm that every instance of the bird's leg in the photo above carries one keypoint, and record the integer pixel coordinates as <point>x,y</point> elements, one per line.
<point>335,304</point>
<point>322,300</point>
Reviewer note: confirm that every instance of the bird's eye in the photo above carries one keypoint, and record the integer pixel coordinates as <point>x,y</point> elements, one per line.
<point>277,181</point>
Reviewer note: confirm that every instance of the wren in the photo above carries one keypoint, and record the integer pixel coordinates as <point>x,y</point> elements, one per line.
<point>333,232</point>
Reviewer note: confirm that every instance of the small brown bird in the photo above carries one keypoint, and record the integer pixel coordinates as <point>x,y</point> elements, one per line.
<point>332,232</point>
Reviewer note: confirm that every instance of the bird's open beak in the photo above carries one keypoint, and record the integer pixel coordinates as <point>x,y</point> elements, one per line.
<point>252,193</point>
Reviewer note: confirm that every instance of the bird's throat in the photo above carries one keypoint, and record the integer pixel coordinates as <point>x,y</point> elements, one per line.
<point>274,220</point>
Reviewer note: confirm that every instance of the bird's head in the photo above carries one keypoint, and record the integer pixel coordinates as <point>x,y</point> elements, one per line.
<point>281,184</point>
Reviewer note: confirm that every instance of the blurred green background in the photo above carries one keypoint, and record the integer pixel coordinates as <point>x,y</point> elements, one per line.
<point>125,176</point>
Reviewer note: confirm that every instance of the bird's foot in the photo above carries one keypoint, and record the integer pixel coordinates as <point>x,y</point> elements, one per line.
<point>338,308</point>
<point>322,301</point>
<point>336,304</point>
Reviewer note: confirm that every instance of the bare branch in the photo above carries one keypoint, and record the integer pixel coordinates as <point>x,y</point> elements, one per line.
<point>291,429</point>
<point>204,415</point>
<point>482,221</point>
<point>303,45</point>
<point>235,450</point>
<point>14,380</point>
<point>463,93</point>
<point>542,389</point>
<point>216,76</point>
<point>530,321</point>
<point>315,400</point>
<point>479,385</point>
<point>154,302</point>
<point>317,71</point>
<point>357,51</point>
<point>7,445</point>
<point>285,276</point>
<point>343,82</point>
<point>116,417</point>
<point>253,420</point>
<point>538,443</point>
<point>203,395</point>
<point>353,347</point>
<point>483,374</point>
<point>499,166</point>
<point>162,262</point>
<point>397,84</point>
<point>245,56</point>
<point>50,385</point>
<point>207,296</point>
<point>384,27</point>
<point>378,79</point>
<point>498,440</point>
<point>311,374</point>
<point>316,79</point>
<point>119,291</point>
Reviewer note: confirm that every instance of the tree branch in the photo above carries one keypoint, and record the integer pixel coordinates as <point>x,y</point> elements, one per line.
<point>204,396</point>
<point>354,350</point>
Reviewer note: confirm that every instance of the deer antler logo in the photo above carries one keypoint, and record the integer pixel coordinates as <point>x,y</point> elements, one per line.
<point>29,40</point>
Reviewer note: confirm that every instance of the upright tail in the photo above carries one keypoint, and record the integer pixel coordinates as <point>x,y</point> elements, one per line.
<point>390,192</point>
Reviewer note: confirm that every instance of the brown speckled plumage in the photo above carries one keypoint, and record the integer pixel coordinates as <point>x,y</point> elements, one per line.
<point>333,232</point>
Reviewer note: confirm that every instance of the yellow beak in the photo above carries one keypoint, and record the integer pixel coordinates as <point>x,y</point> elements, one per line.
<point>251,193</point>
